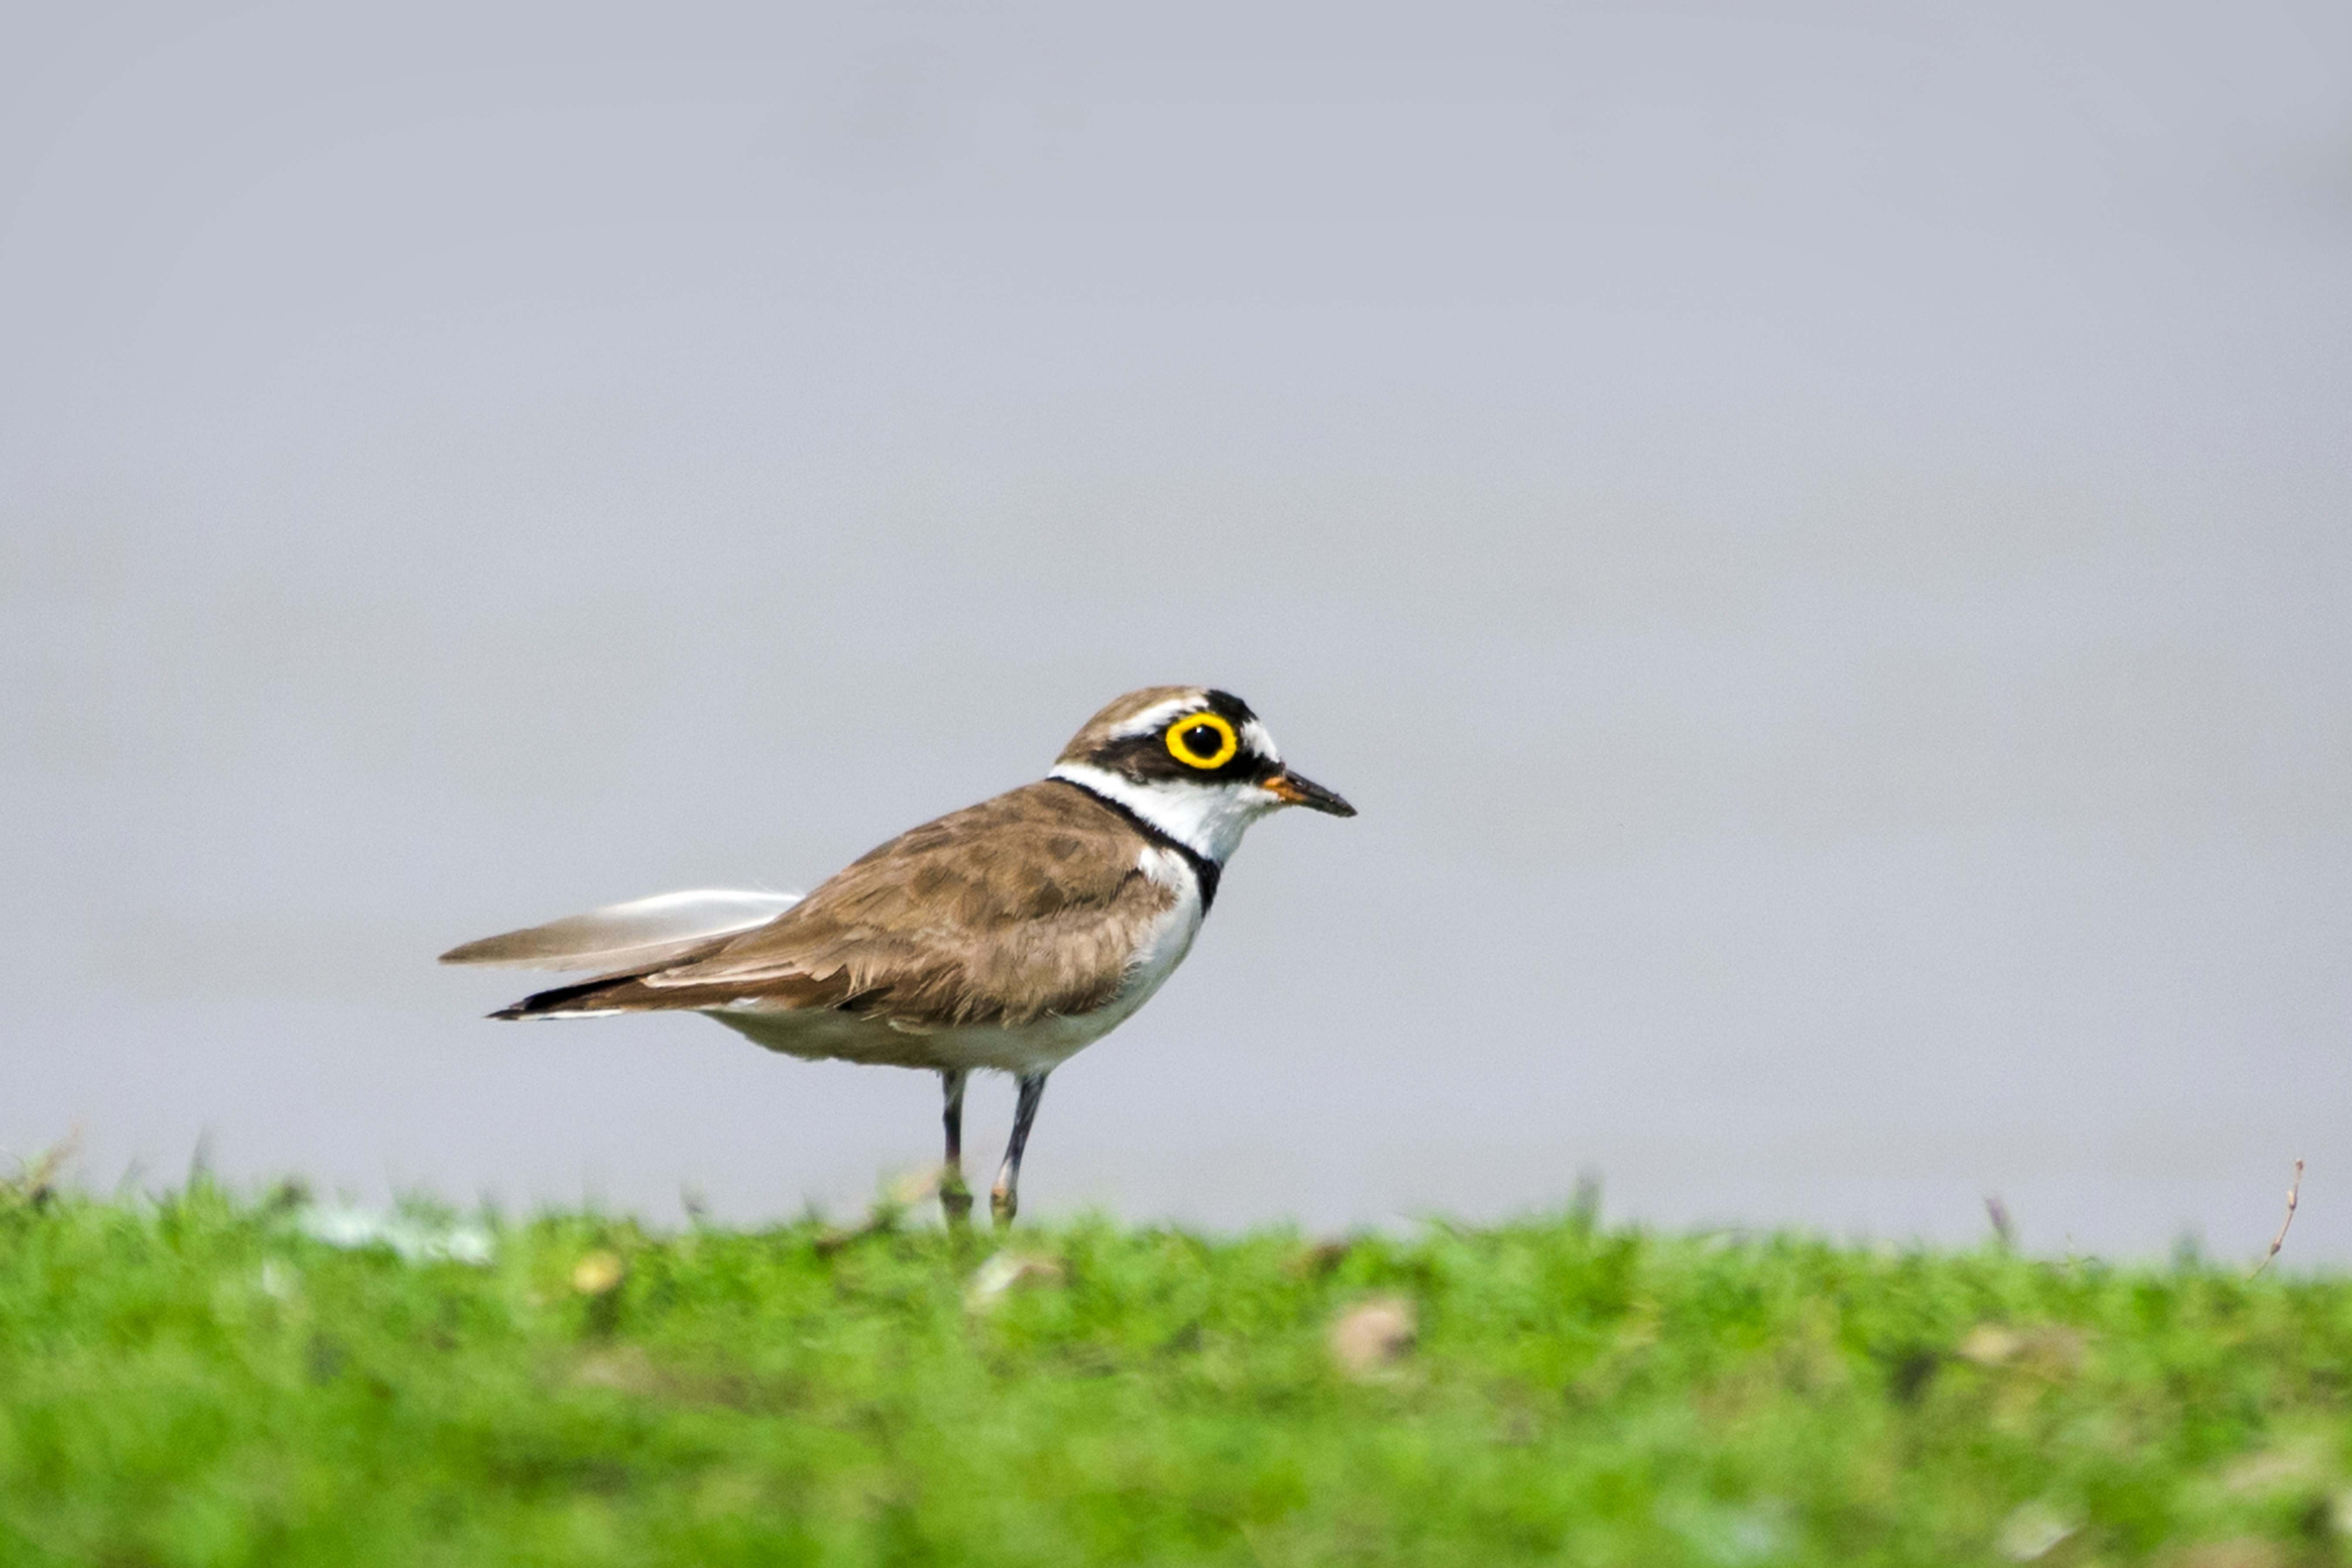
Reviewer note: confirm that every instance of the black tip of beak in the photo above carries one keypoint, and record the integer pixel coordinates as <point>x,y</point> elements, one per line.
<point>1296,789</point>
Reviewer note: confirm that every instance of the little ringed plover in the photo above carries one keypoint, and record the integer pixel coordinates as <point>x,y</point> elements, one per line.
<point>1006,936</point>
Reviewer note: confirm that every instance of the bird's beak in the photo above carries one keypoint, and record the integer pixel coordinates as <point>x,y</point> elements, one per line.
<point>1292,790</point>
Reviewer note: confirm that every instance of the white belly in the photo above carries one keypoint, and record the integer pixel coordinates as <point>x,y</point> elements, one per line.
<point>1037,1047</point>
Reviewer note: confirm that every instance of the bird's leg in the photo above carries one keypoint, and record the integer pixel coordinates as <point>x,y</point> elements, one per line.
<point>955,1198</point>
<point>1004,1200</point>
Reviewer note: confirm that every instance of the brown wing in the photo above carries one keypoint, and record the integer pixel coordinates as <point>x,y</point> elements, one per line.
<point>1027,904</point>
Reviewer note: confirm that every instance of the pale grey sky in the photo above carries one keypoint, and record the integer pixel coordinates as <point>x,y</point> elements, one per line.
<point>1816,534</point>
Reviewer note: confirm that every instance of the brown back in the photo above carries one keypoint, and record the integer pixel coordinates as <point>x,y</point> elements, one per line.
<point>1024,905</point>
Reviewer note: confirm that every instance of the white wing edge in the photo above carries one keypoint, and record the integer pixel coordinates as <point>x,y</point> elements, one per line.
<point>619,936</point>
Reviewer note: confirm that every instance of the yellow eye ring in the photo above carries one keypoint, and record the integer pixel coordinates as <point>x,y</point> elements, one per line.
<point>1227,741</point>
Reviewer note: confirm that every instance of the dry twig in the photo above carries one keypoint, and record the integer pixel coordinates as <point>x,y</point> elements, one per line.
<point>37,1180</point>
<point>2294,1193</point>
<point>2003,1226</point>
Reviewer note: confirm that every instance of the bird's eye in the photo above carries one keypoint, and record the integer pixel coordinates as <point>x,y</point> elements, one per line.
<point>1203,740</point>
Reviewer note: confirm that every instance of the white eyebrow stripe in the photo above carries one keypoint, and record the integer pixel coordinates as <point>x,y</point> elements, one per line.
<point>1150,720</point>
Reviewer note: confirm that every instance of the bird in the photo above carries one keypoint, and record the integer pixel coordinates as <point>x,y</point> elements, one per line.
<point>1005,937</point>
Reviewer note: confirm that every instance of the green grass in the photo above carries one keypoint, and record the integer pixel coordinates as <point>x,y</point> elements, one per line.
<point>194,1380</point>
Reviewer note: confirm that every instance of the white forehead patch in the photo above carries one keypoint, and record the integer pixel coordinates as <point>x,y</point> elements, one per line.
<point>1257,743</point>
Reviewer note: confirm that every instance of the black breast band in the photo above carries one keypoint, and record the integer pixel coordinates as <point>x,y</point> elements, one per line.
<point>1204,869</point>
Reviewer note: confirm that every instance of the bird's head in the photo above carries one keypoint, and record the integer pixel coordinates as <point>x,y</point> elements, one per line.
<point>1193,761</point>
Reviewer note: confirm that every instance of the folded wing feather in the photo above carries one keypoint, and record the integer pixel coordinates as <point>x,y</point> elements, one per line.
<point>624,936</point>
<point>1034,902</point>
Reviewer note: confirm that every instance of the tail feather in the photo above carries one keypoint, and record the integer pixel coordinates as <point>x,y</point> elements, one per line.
<point>579,999</point>
<point>557,1002</point>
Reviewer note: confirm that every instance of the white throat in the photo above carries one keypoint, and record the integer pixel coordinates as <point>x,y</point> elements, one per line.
<point>1207,819</point>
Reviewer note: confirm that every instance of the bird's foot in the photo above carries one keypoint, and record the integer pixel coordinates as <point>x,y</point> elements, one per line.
<point>1003,1204</point>
<point>955,1200</point>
